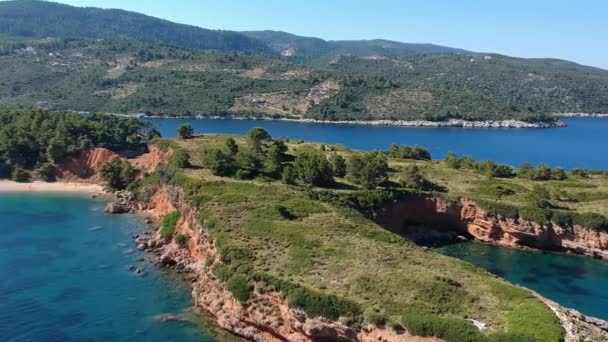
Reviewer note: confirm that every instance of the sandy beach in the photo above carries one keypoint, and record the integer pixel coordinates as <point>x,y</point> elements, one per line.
<point>10,186</point>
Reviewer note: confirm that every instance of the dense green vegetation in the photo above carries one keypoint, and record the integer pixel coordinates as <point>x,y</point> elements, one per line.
<point>117,173</point>
<point>317,51</point>
<point>168,224</point>
<point>41,19</point>
<point>182,240</point>
<point>315,247</point>
<point>467,86</point>
<point>185,131</point>
<point>167,69</point>
<point>30,139</point>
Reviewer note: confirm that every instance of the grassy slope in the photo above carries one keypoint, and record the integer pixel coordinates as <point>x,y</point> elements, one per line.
<point>335,250</point>
<point>576,194</point>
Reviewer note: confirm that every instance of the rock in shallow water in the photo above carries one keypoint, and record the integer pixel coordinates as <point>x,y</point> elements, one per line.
<point>116,208</point>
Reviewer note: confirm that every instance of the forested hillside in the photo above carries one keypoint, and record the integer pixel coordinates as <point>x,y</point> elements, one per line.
<point>471,86</point>
<point>33,139</point>
<point>318,51</point>
<point>147,65</point>
<point>41,19</point>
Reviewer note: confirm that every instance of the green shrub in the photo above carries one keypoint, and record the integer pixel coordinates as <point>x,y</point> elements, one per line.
<point>117,173</point>
<point>375,316</point>
<point>338,164</point>
<point>591,220</point>
<point>412,177</point>
<point>449,329</point>
<point>20,175</point>
<point>168,224</point>
<point>222,271</point>
<point>562,218</point>
<point>407,152</point>
<point>451,160</point>
<point>44,172</point>
<point>315,304</point>
<point>367,169</point>
<point>182,240</point>
<point>503,171</point>
<point>454,330</point>
<point>180,158</point>
<point>362,200</point>
<point>580,173</point>
<point>314,169</point>
<point>5,169</point>
<point>219,162</point>
<point>558,174</point>
<point>239,287</point>
<point>185,131</point>
<point>499,209</point>
<point>538,215</point>
<point>235,254</point>
<point>288,176</point>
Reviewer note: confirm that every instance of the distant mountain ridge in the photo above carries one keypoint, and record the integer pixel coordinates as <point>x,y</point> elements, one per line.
<point>41,19</point>
<point>297,46</point>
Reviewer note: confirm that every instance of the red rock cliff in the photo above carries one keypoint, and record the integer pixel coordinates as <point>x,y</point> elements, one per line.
<point>85,167</point>
<point>428,214</point>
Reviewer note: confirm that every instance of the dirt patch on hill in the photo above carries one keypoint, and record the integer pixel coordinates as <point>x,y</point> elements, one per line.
<point>254,73</point>
<point>398,101</point>
<point>155,64</point>
<point>149,161</point>
<point>294,73</point>
<point>189,67</point>
<point>118,67</point>
<point>288,52</point>
<point>125,90</point>
<point>290,104</point>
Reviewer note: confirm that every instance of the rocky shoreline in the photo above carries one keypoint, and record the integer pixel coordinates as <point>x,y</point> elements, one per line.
<point>584,115</point>
<point>456,123</point>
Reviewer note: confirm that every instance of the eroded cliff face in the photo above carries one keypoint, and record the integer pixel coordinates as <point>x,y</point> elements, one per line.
<point>148,162</point>
<point>267,315</point>
<point>432,216</point>
<point>85,167</point>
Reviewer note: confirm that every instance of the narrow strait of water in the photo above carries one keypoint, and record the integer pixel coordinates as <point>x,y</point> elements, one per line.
<point>63,276</point>
<point>583,144</point>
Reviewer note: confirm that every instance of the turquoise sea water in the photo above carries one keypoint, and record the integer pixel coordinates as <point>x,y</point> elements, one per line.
<point>63,276</point>
<point>582,144</point>
<point>573,281</point>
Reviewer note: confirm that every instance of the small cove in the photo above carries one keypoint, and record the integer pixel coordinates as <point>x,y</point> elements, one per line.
<point>573,281</point>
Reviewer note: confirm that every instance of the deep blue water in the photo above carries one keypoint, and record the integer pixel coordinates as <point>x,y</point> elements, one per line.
<point>573,281</point>
<point>584,143</point>
<point>63,276</point>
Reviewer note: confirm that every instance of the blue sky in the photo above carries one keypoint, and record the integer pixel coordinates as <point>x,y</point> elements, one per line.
<point>572,30</point>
